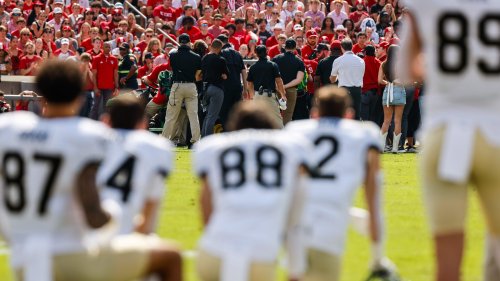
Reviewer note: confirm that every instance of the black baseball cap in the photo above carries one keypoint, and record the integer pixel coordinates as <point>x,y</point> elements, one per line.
<point>148,55</point>
<point>184,38</point>
<point>124,46</point>
<point>223,38</point>
<point>321,47</point>
<point>290,43</point>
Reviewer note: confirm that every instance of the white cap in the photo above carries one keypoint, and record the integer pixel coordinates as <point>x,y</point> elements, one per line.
<point>278,26</point>
<point>118,5</point>
<point>58,10</point>
<point>58,2</point>
<point>298,27</point>
<point>64,41</point>
<point>340,27</point>
<point>16,11</point>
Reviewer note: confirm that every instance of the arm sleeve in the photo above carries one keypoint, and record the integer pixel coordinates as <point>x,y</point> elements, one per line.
<point>335,68</point>
<point>276,71</point>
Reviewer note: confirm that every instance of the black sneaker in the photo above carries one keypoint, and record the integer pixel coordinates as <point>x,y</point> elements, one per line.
<point>190,145</point>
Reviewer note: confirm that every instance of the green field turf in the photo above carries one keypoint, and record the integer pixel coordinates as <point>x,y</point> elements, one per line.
<point>408,241</point>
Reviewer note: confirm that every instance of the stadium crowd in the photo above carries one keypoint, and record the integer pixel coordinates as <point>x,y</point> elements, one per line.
<point>117,51</point>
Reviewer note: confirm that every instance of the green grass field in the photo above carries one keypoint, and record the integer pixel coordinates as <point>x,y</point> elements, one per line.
<point>408,242</point>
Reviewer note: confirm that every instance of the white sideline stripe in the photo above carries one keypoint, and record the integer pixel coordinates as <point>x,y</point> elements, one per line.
<point>189,254</point>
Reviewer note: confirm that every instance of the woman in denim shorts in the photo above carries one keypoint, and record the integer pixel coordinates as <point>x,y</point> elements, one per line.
<point>393,99</point>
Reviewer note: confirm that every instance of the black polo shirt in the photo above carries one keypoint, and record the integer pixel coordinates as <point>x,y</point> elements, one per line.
<point>324,69</point>
<point>289,64</point>
<point>184,63</point>
<point>212,67</point>
<point>263,73</point>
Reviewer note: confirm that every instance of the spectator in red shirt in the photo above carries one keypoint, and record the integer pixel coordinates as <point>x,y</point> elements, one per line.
<point>96,47</point>
<point>20,24</point>
<point>25,37</point>
<point>159,100</point>
<point>105,70</point>
<point>188,12</point>
<point>359,15</point>
<point>15,55</point>
<point>371,106</point>
<point>86,68</point>
<point>148,35</point>
<point>312,41</point>
<point>146,69</point>
<point>64,52</point>
<point>30,62</point>
<point>57,4</point>
<point>189,28</point>
<point>279,48</point>
<point>165,13</point>
<point>360,46</point>
<point>216,28</point>
<point>151,5</point>
<point>204,35</point>
<point>382,51</point>
<point>273,40</point>
<point>116,17</point>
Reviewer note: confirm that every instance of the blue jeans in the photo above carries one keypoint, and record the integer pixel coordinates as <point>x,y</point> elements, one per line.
<point>214,97</point>
<point>100,103</point>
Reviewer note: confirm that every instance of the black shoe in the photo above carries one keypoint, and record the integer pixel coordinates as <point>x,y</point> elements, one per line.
<point>190,145</point>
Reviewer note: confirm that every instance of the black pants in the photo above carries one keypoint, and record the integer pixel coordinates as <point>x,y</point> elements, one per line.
<point>410,92</point>
<point>355,93</point>
<point>232,95</point>
<point>302,106</point>
<point>371,107</point>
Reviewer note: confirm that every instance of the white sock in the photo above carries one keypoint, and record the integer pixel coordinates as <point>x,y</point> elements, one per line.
<point>395,142</point>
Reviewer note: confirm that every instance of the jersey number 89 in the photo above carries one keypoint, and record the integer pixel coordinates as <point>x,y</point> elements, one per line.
<point>459,42</point>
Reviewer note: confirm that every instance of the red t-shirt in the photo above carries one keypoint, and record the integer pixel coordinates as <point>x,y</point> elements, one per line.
<point>93,54</point>
<point>306,51</point>
<point>58,53</point>
<point>311,66</point>
<point>142,45</point>
<point>235,43</point>
<point>274,51</point>
<point>166,14</point>
<point>141,72</point>
<point>205,37</point>
<point>160,37</point>
<point>355,16</point>
<point>153,77</point>
<point>154,3</point>
<point>106,67</point>
<point>271,41</point>
<point>87,44</point>
<point>357,48</point>
<point>240,37</point>
<point>193,33</point>
<point>26,62</point>
<point>370,78</point>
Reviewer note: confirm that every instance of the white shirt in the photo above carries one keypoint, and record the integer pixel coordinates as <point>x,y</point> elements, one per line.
<point>52,153</point>
<point>134,171</point>
<point>338,164</point>
<point>349,70</point>
<point>177,4</point>
<point>251,201</point>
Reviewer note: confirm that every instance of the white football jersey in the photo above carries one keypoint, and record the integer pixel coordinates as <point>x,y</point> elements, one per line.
<point>134,171</point>
<point>41,160</point>
<point>253,176</point>
<point>460,41</point>
<point>337,165</point>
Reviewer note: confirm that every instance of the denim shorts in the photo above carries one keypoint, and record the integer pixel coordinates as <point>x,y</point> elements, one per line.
<point>399,96</point>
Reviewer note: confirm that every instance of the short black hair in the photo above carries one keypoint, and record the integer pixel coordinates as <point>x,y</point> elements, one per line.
<point>250,115</point>
<point>332,101</point>
<point>261,51</point>
<point>125,111</point>
<point>59,82</point>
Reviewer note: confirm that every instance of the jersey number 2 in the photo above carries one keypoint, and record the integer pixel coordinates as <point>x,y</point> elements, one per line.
<point>13,169</point>
<point>459,42</point>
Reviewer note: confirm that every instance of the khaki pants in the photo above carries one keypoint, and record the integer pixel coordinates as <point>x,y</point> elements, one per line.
<point>322,266</point>
<point>291,99</point>
<point>209,266</point>
<point>446,202</point>
<point>182,92</point>
<point>273,106</point>
<point>125,258</point>
<point>152,108</point>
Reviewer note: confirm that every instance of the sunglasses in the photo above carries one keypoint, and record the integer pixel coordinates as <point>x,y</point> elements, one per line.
<point>276,13</point>
<point>149,36</point>
<point>25,34</point>
<point>205,24</point>
<point>270,5</point>
<point>16,15</point>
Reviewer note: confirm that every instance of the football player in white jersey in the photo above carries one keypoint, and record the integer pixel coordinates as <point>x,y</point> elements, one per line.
<point>250,197</point>
<point>346,155</point>
<point>459,43</point>
<point>50,199</point>
<point>135,167</point>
